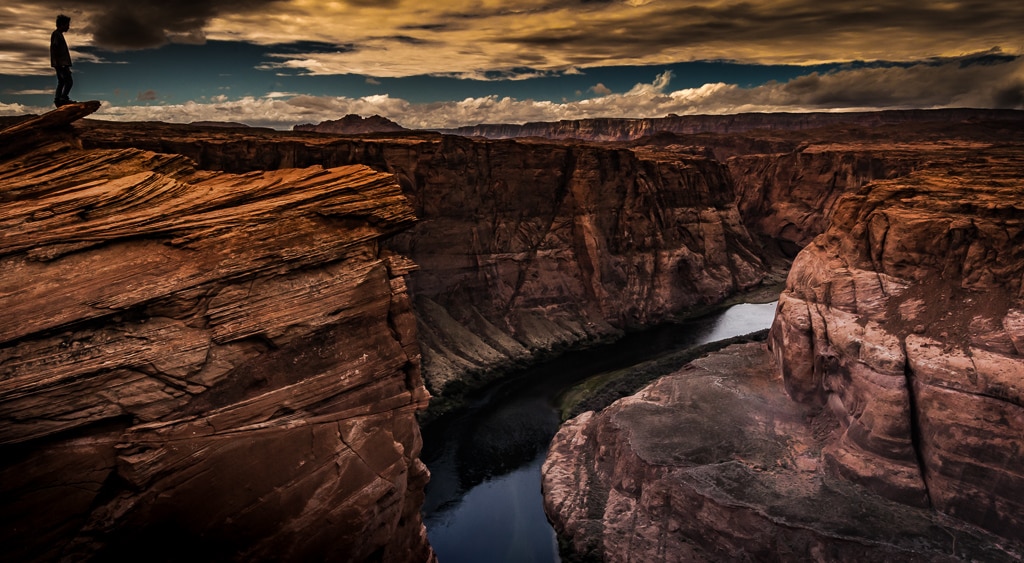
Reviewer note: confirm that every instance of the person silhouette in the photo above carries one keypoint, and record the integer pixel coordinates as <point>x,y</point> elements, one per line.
<point>60,60</point>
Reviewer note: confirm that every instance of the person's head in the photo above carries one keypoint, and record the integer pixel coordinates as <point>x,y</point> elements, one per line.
<point>63,22</point>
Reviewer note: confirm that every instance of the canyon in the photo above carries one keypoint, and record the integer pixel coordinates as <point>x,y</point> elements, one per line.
<point>222,339</point>
<point>619,129</point>
<point>523,248</point>
<point>890,379</point>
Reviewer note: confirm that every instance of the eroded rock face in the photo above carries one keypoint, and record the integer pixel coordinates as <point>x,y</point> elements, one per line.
<point>899,338</point>
<point>716,463</point>
<point>903,319</point>
<point>204,366</point>
<point>353,124</point>
<point>525,248</point>
<point>610,129</point>
<point>791,196</point>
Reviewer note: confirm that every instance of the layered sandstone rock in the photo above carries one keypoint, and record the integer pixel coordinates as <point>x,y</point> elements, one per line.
<point>611,129</point>
<point>716,463</point>
<point>199,365</point>
<point>353,124</point>
<point>904,319</point>
<point>791,196</point>
<point>524,248</point>
<point>899,337</point>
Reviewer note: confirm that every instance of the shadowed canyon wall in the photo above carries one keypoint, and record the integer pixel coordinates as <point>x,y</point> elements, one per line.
<point>523,248</point>
<point>202,365</point>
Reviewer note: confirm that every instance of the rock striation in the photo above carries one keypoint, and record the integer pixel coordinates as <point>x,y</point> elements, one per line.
<point>893,417</point>
<point>353,124</point>
<point>611,129</point>
<point>524,248</point>
<point>203,365</point>
<point>716,463</point>
<point>903,318</point>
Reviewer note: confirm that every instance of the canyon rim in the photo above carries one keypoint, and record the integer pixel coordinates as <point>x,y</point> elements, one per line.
<point>218,339</point>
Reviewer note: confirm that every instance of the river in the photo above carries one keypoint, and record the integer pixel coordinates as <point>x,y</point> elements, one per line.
<point>483,502</point>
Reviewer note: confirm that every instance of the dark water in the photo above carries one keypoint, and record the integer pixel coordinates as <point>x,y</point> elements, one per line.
<point>483,503</point>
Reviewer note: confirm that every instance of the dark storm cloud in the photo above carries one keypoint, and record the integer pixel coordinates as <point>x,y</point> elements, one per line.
<point>373,3</point>
<point>137,24</point>
<point>661,26</point>
<point>1010,97</point>
<point>312,47</point>
<point>951,82</point>
<point>407,39</point>
<point>426,27</point>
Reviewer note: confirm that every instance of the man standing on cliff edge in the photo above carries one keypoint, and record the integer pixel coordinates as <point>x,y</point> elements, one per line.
<point>60,60</point>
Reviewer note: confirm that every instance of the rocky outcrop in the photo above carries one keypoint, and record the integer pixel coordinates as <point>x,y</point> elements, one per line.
<point>716,463</point>
<point>201,365</point>
<point>353,124</point>
<point>610,129</point>
<point>899,343</point>
<point>791,197</point>
<point>788,184</point>
<point>525,248</point>
<point>904,319</point>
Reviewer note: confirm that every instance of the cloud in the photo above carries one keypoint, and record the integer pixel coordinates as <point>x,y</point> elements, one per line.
<point>373,81</point>
<point>146,96</point>
<point>470,38</point>
<point>137,24</point>
<point>33,92</point>
<point>600,89</point>
<point>962,82</point>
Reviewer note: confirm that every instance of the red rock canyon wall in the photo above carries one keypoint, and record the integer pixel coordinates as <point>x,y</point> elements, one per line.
<point>904,318</point>
<point>891,427</point>
<point>201,365</point>
<point>523,248</point>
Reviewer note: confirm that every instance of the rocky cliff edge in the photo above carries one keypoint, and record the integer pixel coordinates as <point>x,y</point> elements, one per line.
<point>906,319</point>
<point>202,365</point>
<point>889,425</point>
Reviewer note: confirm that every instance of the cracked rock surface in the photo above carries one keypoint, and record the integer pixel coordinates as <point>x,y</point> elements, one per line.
<point>904,319</point>
<point>202,365</point>
<point>716,463</point>
<point>884,420</point>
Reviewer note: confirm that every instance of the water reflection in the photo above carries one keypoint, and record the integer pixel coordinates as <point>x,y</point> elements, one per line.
<point>483,502</point>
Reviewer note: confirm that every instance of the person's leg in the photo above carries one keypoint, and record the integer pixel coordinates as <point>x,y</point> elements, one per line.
<point>64,83</point>
<point>60,87</point>
<point>68,82</point>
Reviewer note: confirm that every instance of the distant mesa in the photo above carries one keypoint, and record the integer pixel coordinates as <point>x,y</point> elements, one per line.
<point>628,129</point>
<point>224,124</point>
<point>353,124</point>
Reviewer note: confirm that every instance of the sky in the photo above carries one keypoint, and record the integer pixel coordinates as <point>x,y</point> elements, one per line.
<point>424,65</point>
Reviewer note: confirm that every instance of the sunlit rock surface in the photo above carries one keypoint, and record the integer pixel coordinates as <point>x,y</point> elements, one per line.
<point>904,319</point>
<point>197,365</point>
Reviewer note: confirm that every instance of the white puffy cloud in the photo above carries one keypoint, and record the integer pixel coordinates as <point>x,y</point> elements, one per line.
<point>930,85</point>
